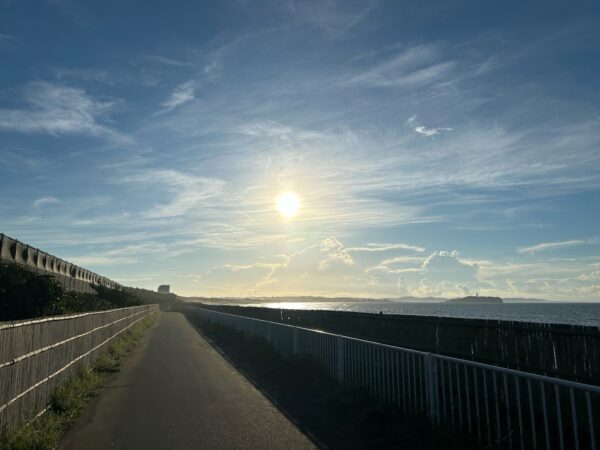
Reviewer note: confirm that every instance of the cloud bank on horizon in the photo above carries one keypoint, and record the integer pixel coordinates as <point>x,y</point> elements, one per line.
<point>436,150</point>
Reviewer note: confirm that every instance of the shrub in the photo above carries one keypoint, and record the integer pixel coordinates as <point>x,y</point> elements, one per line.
<point>25,294</point>
<point>116,297</point>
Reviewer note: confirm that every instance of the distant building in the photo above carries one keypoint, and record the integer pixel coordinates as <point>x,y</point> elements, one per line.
<point>164,289</point>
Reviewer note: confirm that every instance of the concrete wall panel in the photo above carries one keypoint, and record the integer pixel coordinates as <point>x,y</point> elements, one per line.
<point>21,253</point>
<point>68,267</point>
<point>63,268</point>
<point>50,264</point>
<point>69,275</point>
<point>41,260</point>
<point>6,250</point>
<point>32,254</point>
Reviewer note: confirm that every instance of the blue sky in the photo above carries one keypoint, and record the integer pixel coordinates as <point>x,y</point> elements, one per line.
<point>441,149</point>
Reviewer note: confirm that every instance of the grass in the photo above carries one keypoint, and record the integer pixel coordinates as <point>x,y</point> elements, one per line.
<point>45,431</point>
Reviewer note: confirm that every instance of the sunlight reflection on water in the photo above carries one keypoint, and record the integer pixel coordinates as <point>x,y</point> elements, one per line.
<point>555,312</point>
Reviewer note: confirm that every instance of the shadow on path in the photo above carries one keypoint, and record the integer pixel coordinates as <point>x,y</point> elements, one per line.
<point>335,417</point>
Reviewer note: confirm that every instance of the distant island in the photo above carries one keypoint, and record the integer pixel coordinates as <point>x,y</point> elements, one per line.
<point>321,299</point>
<point>477,299</point>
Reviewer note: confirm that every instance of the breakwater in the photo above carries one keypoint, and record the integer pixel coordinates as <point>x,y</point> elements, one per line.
<point>565,351</point>
<point>71,276</point>
<point>37,356</point>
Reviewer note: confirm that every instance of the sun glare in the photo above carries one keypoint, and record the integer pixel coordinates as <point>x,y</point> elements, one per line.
<point>288,204</point>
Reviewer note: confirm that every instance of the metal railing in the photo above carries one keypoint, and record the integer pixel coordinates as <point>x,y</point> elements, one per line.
<point>501,407</point>
<point>37,356</point>
<point>567,351</point>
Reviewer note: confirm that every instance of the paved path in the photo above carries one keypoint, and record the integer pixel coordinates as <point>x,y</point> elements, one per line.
<point>176,392</point>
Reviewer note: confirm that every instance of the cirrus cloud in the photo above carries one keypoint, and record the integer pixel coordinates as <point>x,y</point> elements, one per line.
<point>183,93</point>
<point>430,131</point>
<point>549,246</point>
<point>58,109</point>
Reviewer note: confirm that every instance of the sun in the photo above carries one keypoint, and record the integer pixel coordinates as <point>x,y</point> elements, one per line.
<point>288,204</point>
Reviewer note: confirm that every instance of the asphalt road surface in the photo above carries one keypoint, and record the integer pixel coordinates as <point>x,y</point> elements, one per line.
<point>176,392</point>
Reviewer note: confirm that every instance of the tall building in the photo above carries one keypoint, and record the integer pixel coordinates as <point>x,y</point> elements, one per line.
<point>164,289</point>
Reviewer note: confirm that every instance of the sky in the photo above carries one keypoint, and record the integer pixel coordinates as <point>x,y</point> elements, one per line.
<point>436,148</point>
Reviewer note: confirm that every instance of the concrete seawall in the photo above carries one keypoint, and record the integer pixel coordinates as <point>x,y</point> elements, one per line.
<point>565,351</point>
<point>71,276</point>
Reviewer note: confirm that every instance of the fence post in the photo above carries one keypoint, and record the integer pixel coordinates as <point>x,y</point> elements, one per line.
<point>430,389</point>
<point>340,358</point>
<point>295,336</point>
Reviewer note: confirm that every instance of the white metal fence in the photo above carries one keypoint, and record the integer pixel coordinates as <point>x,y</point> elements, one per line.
<point>501,407</point>
<point>37,356</point>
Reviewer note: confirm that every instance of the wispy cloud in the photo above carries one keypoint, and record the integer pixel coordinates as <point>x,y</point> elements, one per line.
<point>187,192</point>
<point>420,64</point>
<point>549,246</point>
<point>325,264</point>
<point>130,253</point>
<point>372,247</point>
<point>183,93</point>
<point>430,131</point>
<point>212,69</point>
<point>402,260</point>
<point>240,267</point>
<point>96,75</point>
<point>333,16</point>
<point>58,109</point>
<point>43,201</point>
<point>7,41</point>
<point>167,61</point>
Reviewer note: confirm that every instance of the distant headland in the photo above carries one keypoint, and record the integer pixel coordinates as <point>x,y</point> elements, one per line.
<point>477,299</point>
<point>307,299</point>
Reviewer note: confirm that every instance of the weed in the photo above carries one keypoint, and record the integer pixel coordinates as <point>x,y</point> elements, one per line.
<point>67,403</point>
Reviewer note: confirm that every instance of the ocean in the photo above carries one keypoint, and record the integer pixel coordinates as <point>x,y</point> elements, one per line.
<point>545,312</point>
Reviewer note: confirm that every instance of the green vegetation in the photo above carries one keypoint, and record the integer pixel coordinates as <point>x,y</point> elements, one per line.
<point>25,294</point>
<point>146,296</point>
<point>44,432</point>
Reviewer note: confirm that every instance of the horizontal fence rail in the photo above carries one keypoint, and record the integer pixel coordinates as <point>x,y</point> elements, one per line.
<point>37,356</point>
<point>558,350</point>
<point>72,277</point>
<point>500,407</point>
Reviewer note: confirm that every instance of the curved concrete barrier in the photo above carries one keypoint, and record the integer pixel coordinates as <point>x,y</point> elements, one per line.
<point>41,260</point>
<point>50,261</point>
<point>68,274</point>
<point>31,259</point>
<point>8,249</point>
<point>21,253</point>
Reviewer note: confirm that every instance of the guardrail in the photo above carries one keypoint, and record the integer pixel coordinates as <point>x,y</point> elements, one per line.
<point>570,352</point>
<point>37,356</point>
<point>502,407</point>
